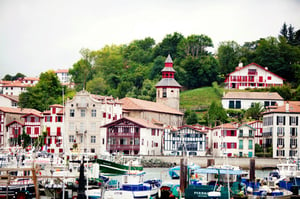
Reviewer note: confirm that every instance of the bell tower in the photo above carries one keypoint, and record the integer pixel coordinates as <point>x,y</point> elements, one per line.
<point>168,89</point>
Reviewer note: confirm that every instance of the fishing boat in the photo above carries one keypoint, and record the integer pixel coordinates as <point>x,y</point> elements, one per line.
<point>174,172</point>
<point>118,164</point>
<point>220,182</point>
<point>133,186</point>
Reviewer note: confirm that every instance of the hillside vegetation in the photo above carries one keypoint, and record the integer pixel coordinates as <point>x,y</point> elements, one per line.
<point>198,99</point>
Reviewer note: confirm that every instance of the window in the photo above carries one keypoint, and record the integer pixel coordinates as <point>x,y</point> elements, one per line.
<point>269,78</point>
<point>153,132</point>
<point>268,121</point>
<point>250,144</point>
<point>251,71</point>
<point>294,121</point>
<point>241,133</point>
<point>250,133</point>
<point>58,131</point>
<point>48,118</point>
<point>293,131</point>
<point>82,112</point>
<point>280,142</point>
<point>94,113</point>
<point>235,104</point>
<point>164,92</point>
<point>280,131</point>
<point>59,118</point>
<point>266,103</point>
<point>92,150</point>
<point>293,143</point>
<point>93,139</point>
<point>72,113</point>
<point>36,130</point>
<point>240,144</point>
<point>136,141</point>
<point>280,120</point>
<point>238,104</point>
<point>71,139</point>
<point>231,104</point>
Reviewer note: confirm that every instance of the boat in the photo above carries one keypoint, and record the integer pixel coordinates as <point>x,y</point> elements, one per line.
<point>118,164</point>
<point>220,182</point>
<point>174,172</point>
<point>133,186</point>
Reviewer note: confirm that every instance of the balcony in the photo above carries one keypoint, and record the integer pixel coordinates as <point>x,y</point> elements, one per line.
<point>122,147</point>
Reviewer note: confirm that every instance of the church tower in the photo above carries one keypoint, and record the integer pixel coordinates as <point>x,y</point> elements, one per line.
<point>168,89</point>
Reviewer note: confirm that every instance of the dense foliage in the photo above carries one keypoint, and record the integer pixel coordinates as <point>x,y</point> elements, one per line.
<point>130,70</point>
<point>46,92</point>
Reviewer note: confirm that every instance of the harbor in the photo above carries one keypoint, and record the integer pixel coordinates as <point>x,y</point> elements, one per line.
<point>131,177</point>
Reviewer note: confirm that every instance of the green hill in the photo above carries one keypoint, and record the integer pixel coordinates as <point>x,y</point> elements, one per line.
<point>198,99</point>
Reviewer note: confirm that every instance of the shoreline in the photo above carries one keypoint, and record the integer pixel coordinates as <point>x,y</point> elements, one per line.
<point>243,163</point>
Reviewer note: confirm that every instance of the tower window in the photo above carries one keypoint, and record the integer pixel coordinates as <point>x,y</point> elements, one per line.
<point>164,92</point>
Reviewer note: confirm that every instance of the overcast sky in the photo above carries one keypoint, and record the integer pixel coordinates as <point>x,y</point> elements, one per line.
<point>38,35</point>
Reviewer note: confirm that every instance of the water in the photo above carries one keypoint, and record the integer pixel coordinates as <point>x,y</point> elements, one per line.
<point>162,173</point>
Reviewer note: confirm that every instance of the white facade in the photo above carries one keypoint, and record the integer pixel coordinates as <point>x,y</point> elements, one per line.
<point>252,76</point>
<point>187,140</point>
<point>8,101</point>
<point>63,75</point>
<point>14,88</point>
<point>281,130</point>
<point>245,100</point>
<point>84,114</point>
<point>231,141</point>
<point>53,124</point>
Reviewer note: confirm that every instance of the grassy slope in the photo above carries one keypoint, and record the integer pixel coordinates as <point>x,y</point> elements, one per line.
<point>199,98</point>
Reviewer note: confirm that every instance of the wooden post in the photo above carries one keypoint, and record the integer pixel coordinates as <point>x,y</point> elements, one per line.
<point>183,174</point>
<point>252,170</point>
<point>210,162</point>
<point>34,178</point>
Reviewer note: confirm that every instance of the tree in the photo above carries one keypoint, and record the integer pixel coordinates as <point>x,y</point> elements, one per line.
<point>169,45</point>
<point>82,71</point>
<point>216,114</point>
<point>191,117</point>
<point>255,111</point>
<point>228,56</point>
<point>40,141</point>
<point>46,92</point>
<point>195,46</point>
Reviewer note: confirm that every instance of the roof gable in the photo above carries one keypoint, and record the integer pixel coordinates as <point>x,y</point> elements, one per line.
<point>133,121</point>
<point>137,104</point>
<point>256,65</point>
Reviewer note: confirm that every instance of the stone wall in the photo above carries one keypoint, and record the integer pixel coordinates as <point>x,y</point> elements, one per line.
<point>244,163</point>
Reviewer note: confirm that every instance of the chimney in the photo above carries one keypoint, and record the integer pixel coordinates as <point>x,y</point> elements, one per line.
<point>266,68</point>
<point>241,64</point>
<point>287,107</point>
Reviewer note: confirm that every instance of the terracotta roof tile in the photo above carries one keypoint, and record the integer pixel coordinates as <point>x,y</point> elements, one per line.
<point>253,95</point>
<point>137,104</point>
<point>293,107</point>
<point>11,97</point>
<point>20,110</point>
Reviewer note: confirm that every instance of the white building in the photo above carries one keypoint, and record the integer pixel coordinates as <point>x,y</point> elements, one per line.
<point>252,76</point>
<point>53,124</point>
<point>9,100</point>
<point>233,141</point>
<point>186,140</point>
<point>132,136</point>
<point>281,130</point>
<point>84,114</point>
<point>14,88</point>
<point>244,100</point>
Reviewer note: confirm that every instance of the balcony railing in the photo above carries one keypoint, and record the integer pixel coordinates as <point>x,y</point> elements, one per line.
<point>122,147</point>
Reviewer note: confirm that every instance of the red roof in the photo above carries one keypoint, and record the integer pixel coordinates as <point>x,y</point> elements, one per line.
<point>141,122</point>
<point>15,122</point>
<point>62,71</point>
<point>239,68</point>
<point>20,110</point>
<point>11,97</point>
<point>292,107</point>
<point>137,104</point>
<point>226,126</point>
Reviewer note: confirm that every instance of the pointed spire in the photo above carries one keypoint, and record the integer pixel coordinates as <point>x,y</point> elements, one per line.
<point>169,59</point>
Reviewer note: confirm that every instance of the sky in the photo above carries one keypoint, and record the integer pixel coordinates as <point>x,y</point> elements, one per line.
<point>41,35</point>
